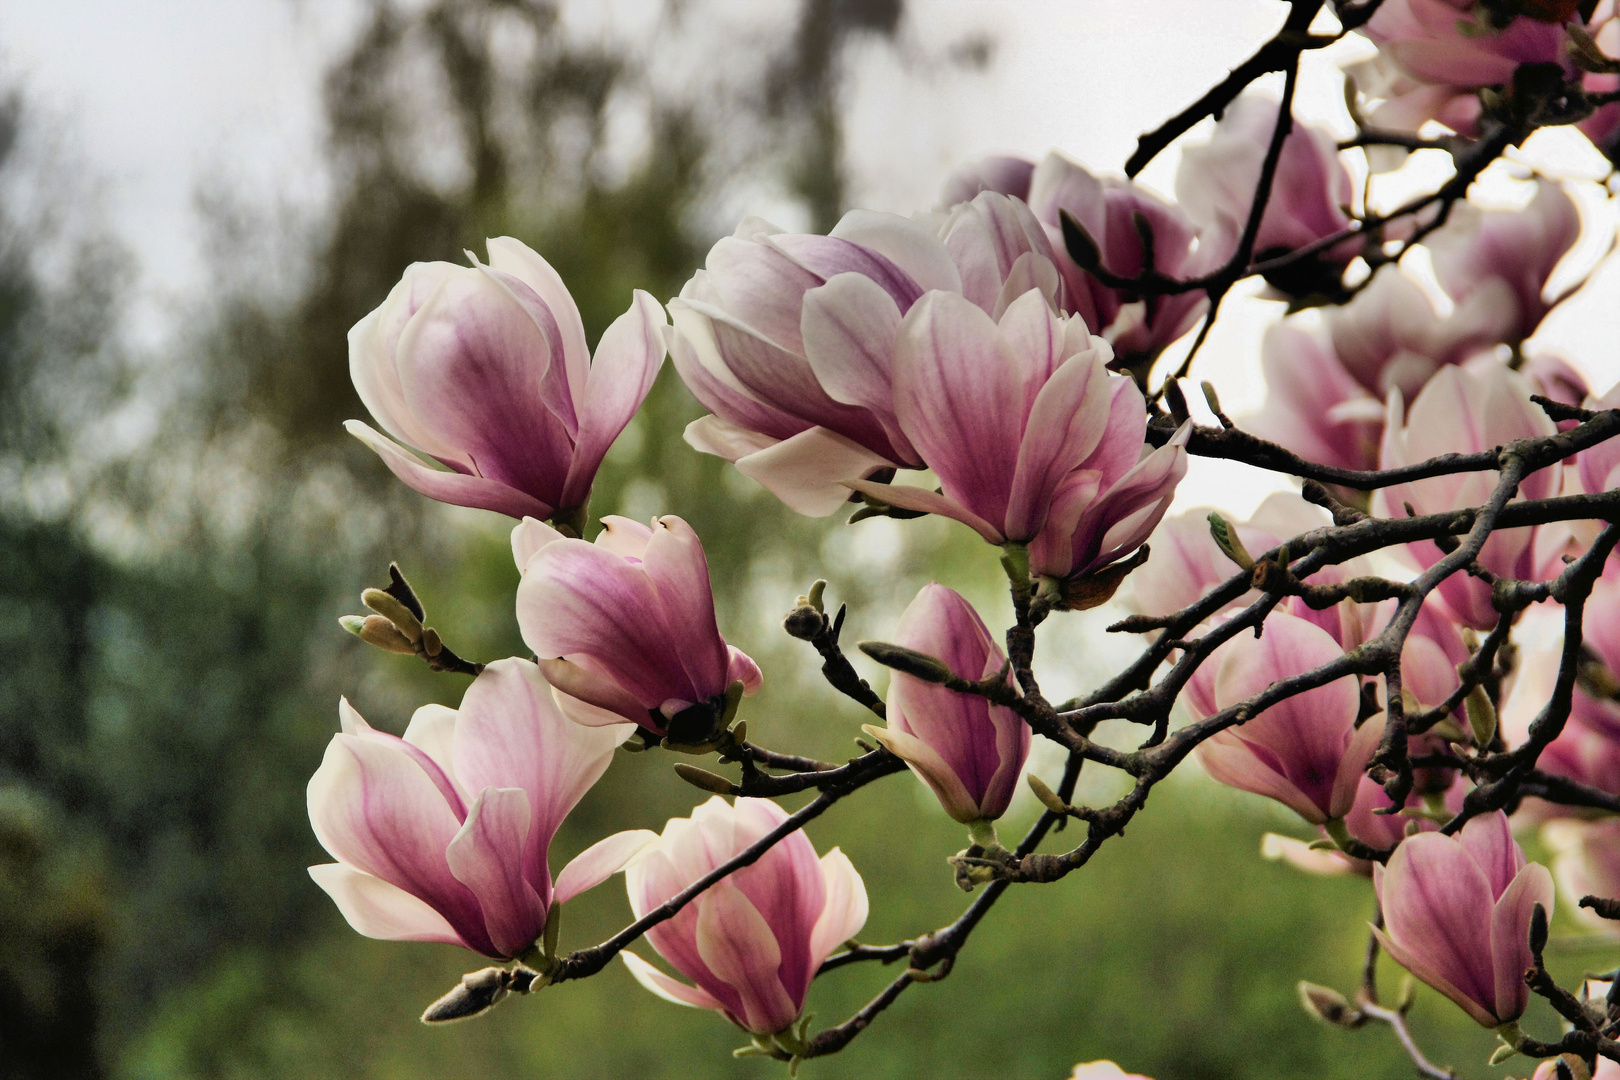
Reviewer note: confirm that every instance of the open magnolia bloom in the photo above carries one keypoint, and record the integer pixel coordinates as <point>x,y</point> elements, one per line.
<point>1468,410</point>
<point>442,835</point>
<point>1310,199</point>
<point>752,943</point>
<point>1103,1070</point>
<point>1305,751</point>
<point>1030,436</point>
<point>1457,915</point>
<point>968,751</point>
<point>485,369</point>
<point>626,625</point>
<point>789,339</point>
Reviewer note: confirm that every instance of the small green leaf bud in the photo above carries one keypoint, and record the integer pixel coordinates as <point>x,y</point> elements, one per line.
<point>909,661</point>
<point>1329,1006</point>
<point>702,778</point>
<point>1226,538</point>
<point>1048,797</point>
<point>379,630</point>
<point>396,612</point>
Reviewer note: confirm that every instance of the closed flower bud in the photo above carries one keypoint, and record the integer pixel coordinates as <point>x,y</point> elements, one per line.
<point>1329,1006</point>
<point>477,992</point>
<point>379,630</point>
<point>967,750</point>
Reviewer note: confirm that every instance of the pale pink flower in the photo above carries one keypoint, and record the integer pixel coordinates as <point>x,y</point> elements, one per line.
<point>789,339</point>
<point>751,943</point>
<point>1457,915</point>
<point>967,750</point>
<point>1305,751</point>
<point>1311,194</point>
<point>627,624</point>
<point>1029,435</point>
<point>1599,466</point>
<point>485,369</point>
<point>1467,410</point>
<point>1103,1070</point>
<point>443,835</point>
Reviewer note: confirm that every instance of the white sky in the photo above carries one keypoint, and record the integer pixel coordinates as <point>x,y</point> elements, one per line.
<point>157,96</point>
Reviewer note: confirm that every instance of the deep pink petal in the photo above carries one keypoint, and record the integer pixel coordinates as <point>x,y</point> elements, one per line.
<point>455,488</point>
<point>1437,907</point>
<point>487,856</point>
<point>1510,936</point>
<point>627,361</point>
<point>379,910</point>
<point>679,572</point>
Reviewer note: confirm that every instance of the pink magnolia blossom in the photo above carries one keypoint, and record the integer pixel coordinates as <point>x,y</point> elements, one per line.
<point>1467,410</point>
<point>442,835</point>
<point>1107,208</point>
<point>627,624</point>
<point>1457,915</point>
<point>1501,260</point>
<point>1603,126</point>
<point>1436,55</point>
<point>788,340</point>
<point>1310,198</point>
<point>1314,406</point>
<point>485,369</point>
<point>1364,823</point>
<point>1030,437</point>
<point>753,942</point>
<point>1305,751</point>
<point>1586,862</point>
<point>967,750</point>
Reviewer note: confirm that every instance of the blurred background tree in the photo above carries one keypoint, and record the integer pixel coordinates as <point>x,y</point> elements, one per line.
<point>167,615</point>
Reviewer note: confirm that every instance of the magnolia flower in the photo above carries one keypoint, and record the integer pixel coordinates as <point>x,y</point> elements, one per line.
<point>1031,438</point>
<point>754,940</point>
<point>1500,261</point>
<point>1363,823</point>
<point>1305,751</point>
<point>788,340</point>
<point>442,835</point>
<point>627,625</point>
<point>1457,915</point>
<point>485,369</point>
<point>1586,862</point>
<point>1001,173</point>
<point>967,750</point>
<point>1314,406</point>
<point>1467,410</point>
<point>1446,53</point>
<point>1310,198</point>
<point>1108,208</point>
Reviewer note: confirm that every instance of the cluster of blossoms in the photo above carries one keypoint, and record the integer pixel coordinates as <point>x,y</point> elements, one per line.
<point>999,349</point>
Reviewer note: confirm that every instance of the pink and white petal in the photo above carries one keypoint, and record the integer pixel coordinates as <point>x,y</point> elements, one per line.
<point>522,262</point>
<point>1437,904</point>
<point>373,807</point>
<point>599,862</point>
<point>809,472</point>
<point>589,698</point>
<point>1489,839</point>
<point>670,989</point>
<point>1231,760</point>
<point>1065,425</point>
<point>511,734</point>
<point>675,564</point>
<point>379,910</point>
<point>1031,273</point>
<point>457,489</point>
<point>739,948</point>
<point>1435,978</point>
<point>849,328</point>
<point>724,439</point>
<point>846,909</point>
<point>929,502</point>
<point>741,668</point>
<point>432,730</point>
<point>373,342</point>
<point>580,598</point>
<point>960,402</point>
<point>697,359</point>
<point>1510,936</point>
<point>930,768</point>
<point>528,537</point>
<point>473,363</point>
<point>906,243</point>
<point>624,537</point>
<point>627,361</point>
<point>487,857</point>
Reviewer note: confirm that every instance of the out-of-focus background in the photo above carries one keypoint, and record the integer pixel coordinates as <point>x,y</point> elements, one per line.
<point>198,199</point>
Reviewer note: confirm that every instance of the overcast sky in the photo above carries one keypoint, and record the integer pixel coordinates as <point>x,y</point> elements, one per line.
<point>159,95</point>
